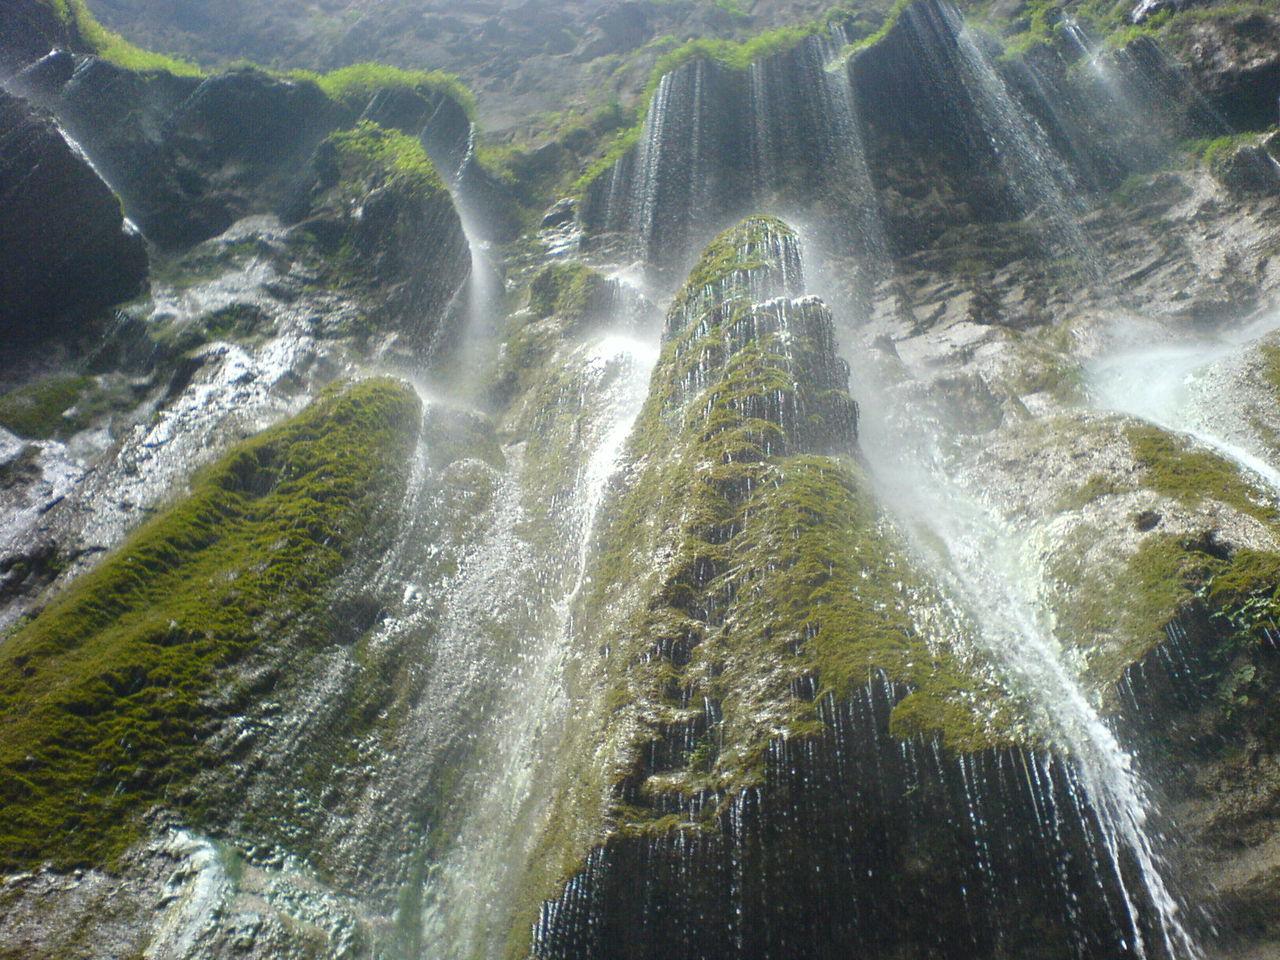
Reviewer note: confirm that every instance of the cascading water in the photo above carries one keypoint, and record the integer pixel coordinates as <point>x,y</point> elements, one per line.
<point>1173,383</point>
<point>691,173</point>
<point>994,577</point>
<point>470,891</point>
<point>1036,176</point>
<point>997,581</point>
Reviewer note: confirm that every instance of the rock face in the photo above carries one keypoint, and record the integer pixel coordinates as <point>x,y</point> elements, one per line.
<point>719,140</point>
<point>188,156</point>
<point>377,207</point>
<point>32,29</point>
<point>63,242</point>
<point>163,615</point>
<point>634,635</point>
<point>527,58</point>
<point>762,673</point>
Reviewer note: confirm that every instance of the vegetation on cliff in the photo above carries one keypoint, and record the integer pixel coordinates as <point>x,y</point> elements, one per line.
<point>104,697</point>
<point>745,565</point>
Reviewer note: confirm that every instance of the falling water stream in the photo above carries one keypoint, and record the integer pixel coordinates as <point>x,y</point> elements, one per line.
<point>997,581</point>
<point>981,561</point>
<point>470,890</point>
<point>1168,381</point>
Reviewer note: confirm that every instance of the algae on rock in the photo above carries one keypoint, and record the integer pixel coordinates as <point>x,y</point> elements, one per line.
<point>751,579</point>
<point>101,700</point>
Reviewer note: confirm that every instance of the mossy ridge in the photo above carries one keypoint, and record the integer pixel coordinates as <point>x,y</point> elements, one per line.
<point>352,85</point>
<point>112,47</point>
<point>354,168</point>
<point>756,259</point>
<point>1119,617</point>
<point>101,704</point>
<point>1172,466</point>
<point>1116,616</point>
<point>369,154</point>
<point>774,571</point>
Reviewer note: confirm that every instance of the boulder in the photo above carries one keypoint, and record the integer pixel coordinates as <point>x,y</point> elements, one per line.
<point>374,204</point>
<point>64,244</point>
<point>1248,170</point>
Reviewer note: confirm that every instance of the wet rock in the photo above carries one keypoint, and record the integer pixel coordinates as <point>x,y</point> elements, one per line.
<point>26,573</point>
<point>1249,170</point>
<point>250,118</point>
<point>374,204</point>
<point>1234,59</point>
<point>1146,520</point>
<point>188,155</point>
<point>439,121</point>
<point>63,242</point>
<point>561,212</point>
<point>31,29</point>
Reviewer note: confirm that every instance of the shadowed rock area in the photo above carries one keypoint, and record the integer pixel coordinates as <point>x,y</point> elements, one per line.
<point>64,243</point>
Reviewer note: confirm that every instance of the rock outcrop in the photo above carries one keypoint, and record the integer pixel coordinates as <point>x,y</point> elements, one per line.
<point>189,156</point>
<point>374,203</point>
<point>771,698</point>
<point>64,245</point>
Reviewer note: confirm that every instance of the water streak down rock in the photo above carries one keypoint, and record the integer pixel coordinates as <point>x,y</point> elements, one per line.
<point>63,243</point>
<point>791,741</point>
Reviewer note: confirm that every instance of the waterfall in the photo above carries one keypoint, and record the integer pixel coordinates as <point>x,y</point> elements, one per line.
<point>1169,382</point>
<point>1035,175</point>
<point>998,582</point>
<point>718,143</point>
<point>469,889</point>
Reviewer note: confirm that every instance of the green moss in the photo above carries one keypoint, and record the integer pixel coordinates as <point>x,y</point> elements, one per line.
<point>354,85</point>
<point>736,55</point>
<point>561,297</point>
<point>103,699</point>
<point>368,153</point>
<point>36,410</point>
<point>1172,466</point>
<point>618,147</point>
<point>567,289</point>
<point>1212,151</point>
<point>1270,353</point>
<point>1095,488</point>
<point>59,406</point>
<point>114,48</point>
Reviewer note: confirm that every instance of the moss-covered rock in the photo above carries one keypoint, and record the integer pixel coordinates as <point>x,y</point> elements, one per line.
<point>385,221</point>
<point>750,578</point>
<point>101,703</point>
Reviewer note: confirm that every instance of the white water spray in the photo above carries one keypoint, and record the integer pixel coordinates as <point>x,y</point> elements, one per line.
<point>1169,381</point>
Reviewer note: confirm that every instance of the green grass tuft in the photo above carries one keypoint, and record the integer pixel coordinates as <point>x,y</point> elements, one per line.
<point>369,152</point>
<point>355,84</point>
<point>114,48</point>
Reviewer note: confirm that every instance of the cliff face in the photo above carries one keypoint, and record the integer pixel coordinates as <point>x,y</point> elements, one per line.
<point>63,235</point>
<point>627,631</point>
